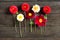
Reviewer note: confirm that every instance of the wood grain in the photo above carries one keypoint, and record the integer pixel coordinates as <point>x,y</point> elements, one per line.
<point>52,28</point>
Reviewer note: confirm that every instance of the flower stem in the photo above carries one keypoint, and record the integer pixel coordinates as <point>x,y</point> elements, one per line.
<point>41,29</point>
<point>25,22</point>
<point>25,25</point>
<point>20,30</point>
<point>15,28</point>
<point>31,26</point>
<point>45,28</point>
<point>15,22</point>
<point>15,25</point>
<point>35,27</point>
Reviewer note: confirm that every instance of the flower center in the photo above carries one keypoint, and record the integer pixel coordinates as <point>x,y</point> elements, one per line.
<point>12,8</point>
<point>24,6</point>
<point>40,20</point>
<point>35,8</point>
<point>46,9</point>
<point>20,17</point>
<point>30,14</point>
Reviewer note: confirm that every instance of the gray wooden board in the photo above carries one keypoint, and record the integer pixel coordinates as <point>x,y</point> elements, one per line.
<point>52,28</point>
<point>29,0</point>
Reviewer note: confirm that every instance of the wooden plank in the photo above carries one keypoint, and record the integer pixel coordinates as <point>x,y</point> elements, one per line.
<point>27,0</point>
<point>53,24</point>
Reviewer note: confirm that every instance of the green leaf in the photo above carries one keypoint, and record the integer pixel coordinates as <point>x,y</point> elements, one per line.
<point>45,16</point>
<point>17,13</point>
<point>31,22</point>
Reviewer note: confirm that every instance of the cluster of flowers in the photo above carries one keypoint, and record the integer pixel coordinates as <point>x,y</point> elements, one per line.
<point>37,13</point>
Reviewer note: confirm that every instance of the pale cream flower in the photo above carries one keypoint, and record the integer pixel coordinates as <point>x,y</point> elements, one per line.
<point>36,8</point>
<point>20,17</point>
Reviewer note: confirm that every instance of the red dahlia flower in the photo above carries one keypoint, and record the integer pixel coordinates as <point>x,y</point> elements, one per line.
<point>46,9</point>
<point>25,7</point>
<point>30,15</point>
<point>13,9</point>
<point>40,21</point>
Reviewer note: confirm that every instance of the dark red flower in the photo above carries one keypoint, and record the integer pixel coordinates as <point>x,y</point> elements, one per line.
<point>13,9</point>
<point>40,21</point>
<point>30,15</point>
<point>25,7</point>
<point>46,9</point>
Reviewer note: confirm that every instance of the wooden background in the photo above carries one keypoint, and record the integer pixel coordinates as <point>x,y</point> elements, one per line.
<point>7,31</point>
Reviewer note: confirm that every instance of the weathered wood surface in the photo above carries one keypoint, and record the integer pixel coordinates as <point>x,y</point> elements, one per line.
<point>29,0</point>
<point>52,29</point>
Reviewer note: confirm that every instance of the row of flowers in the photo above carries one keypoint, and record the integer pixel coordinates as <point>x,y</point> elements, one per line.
<point>37,13</point>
